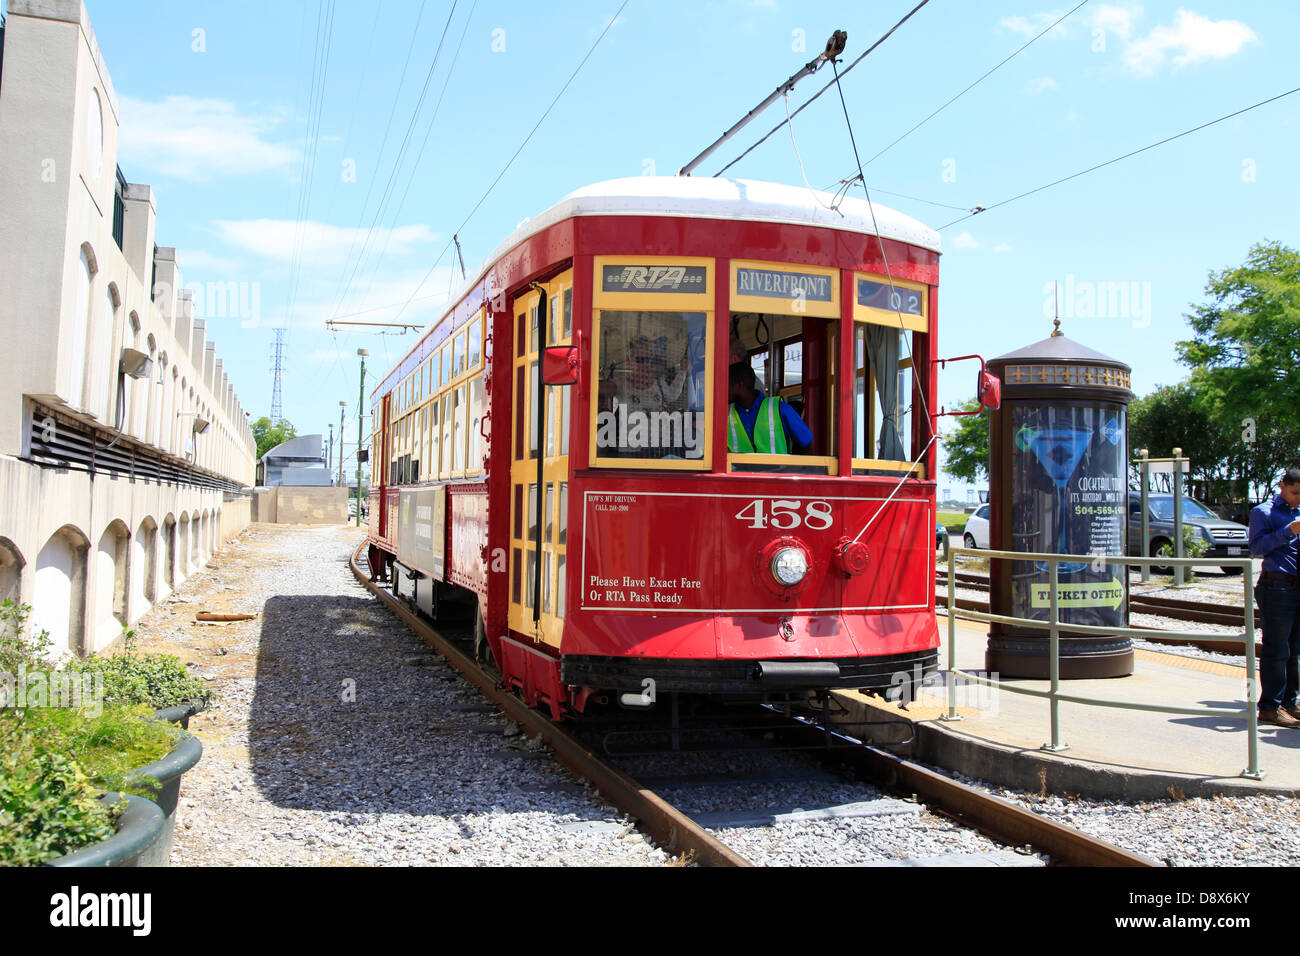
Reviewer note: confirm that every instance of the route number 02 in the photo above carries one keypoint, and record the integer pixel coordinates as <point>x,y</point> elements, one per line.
<point>783,514</point>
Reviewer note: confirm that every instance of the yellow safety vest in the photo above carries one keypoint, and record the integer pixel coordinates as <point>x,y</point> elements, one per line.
<point>769,432</point>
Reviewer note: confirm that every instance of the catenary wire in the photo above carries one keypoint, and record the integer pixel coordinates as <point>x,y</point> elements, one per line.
<point>1111,162</point>
<point>813,98</point>
<point>510,162</point>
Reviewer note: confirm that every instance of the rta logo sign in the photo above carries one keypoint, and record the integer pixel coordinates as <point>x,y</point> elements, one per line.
<point>654,278</point>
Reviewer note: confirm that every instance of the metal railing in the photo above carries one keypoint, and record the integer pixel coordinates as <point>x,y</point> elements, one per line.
<point>1053,625</point>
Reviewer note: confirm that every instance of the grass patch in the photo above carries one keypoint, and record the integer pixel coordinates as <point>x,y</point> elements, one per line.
<point>954,521</point>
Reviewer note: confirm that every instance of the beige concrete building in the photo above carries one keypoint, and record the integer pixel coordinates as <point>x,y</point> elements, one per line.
<point>125,456</point>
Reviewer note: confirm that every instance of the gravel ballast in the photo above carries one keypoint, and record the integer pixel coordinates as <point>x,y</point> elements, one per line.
<point>336,738</point>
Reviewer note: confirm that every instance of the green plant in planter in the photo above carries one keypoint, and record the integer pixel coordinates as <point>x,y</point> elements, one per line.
<point>107,747</point>
<point>159,680</point>
<point>16,647</point>
<point>48,806</point>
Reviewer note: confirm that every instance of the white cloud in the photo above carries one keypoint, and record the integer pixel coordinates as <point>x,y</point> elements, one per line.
<point>1115,19</point>
<point>1002,247</point>
<point>199,139</point>
<point>966,241</point>
<point>1040,84</point>
<point>1034,24</point>
<point>200,260</point>
<point>320,242</point>
<point>1192,38</point>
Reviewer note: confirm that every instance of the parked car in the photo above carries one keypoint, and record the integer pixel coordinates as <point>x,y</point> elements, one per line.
<point>1226,539</point>
<point>977,529</point>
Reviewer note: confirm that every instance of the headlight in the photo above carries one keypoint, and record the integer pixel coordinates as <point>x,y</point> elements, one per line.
<point>1202,533</point>
<point>789,565</point>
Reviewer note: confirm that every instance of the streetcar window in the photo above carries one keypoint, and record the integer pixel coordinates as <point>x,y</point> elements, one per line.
<point>447,373</point>
<point>651,376</point>
<point>458,355</point>
<point>554,320</point>
<point>882,393</point>
<point>794,359</point>
<point>563,517</point>
<point>459,430</point>
<point>475,342</point>
<point>568,312</point>
<point>534,327</point>
<point>475,423</point>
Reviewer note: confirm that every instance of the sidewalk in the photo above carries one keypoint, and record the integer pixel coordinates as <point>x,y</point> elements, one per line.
<point>1112,753</point>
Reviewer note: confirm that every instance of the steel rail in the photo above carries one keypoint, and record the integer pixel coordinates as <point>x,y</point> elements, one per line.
<point>999,819</point>
<point>665,824</point>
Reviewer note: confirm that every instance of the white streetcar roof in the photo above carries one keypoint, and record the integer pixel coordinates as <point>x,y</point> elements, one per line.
<point>709,198</point>
<point>706,197</point>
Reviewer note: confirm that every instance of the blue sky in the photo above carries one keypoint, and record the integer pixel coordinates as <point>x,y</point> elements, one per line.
<point>219,115</point>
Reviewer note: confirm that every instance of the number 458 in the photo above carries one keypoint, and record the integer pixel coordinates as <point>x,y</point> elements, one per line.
<point>783,514</point>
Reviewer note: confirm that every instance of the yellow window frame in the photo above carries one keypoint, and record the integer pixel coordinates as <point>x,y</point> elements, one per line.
<point>784,305</point>
<point>643,301</point>
<point>896,318</point>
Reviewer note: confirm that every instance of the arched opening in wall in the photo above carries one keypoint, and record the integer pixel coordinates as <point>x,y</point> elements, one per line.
<point>169,553</point>
<point>196,541</point>
<point>111,567</point>
<point>11,571</point>
<point>59,591</point>
<point>183,547</point>
<point>144,562</point>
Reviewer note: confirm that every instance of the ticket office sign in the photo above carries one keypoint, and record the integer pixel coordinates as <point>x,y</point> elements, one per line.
<point>1069,495</point>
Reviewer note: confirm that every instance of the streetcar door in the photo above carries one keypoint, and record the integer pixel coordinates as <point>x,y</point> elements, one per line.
<point>539,514</point>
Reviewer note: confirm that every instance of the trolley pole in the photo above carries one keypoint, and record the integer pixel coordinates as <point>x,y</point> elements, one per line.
<point>343,407</point>
<point>361,402</point>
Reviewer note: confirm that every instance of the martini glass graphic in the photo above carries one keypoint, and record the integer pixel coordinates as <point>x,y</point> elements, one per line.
<point>1059,451</point>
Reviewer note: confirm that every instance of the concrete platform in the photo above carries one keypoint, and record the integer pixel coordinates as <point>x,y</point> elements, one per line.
<point>1113,754</point>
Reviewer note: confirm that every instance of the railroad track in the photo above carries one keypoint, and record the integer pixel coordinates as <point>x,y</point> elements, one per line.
<point>1172,608</point>
<point>679,833</point>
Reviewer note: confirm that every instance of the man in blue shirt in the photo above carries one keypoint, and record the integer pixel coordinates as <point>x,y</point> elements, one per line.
<point>1274,526</point>
<point>760,425</point>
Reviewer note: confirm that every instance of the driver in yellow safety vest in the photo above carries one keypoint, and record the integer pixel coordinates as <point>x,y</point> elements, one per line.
<point>760,425</point>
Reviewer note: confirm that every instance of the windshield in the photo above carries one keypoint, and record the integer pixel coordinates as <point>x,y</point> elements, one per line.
<point>1163,509</point>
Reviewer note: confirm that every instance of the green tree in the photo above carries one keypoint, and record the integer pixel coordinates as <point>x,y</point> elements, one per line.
<point>1244,354</point>
<point>966,447</point>
<point>1175,416</point>
<point>268,434</point>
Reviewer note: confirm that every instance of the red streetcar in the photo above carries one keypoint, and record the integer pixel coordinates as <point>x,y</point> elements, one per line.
<point>560,449</point>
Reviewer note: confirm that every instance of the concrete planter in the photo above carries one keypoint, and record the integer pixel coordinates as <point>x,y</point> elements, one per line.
<point>181,713</point>
<point>168,772</point>
<point>136,842</point>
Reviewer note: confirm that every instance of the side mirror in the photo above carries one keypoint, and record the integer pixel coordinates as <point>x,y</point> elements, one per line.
<point>989,389</point>
<point>560,365</point>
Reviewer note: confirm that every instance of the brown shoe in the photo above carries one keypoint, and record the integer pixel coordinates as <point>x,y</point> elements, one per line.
<point>1293,710</point>
<point>1278,717</point>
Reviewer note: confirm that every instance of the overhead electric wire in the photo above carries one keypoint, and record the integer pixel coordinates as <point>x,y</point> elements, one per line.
<point>419,156</point>
<point>379,155</point>
<point>511,161</point>
<point>884,257</point>
<point>1111,162</point>
<point>401,151</point>
<point>972,86</point>
<point>309,166</point>
<point>812,98</point>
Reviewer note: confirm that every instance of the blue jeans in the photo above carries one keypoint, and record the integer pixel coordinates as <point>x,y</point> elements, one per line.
<point>1279,660</point>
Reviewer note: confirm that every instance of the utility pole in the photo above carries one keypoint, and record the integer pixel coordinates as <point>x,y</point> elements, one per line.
<point>329,452</point>
<point>343,407</point>
<point>361,403</point>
